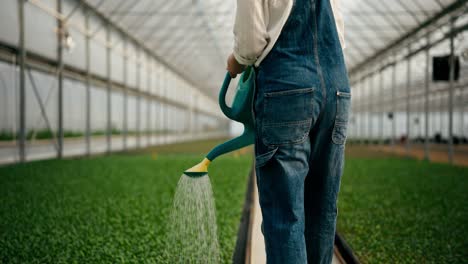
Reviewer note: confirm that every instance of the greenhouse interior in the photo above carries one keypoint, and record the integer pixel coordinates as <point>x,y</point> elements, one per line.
<point>104,104</point>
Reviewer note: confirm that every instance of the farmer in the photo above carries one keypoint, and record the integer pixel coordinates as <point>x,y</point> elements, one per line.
<point>301,113</point>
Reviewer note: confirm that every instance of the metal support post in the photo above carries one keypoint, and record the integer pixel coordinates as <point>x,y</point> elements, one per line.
<point>60,40</point>
<point>369,110</point>
<point>362,108</point>
<point>166,109</point>
<point>22,85</point>
<point>125,91</point>
<point>153,102</point>
<point>451,90</point>
<point>108,88</point>
<point>157,113</point>
<point>381,106</point>
<point>433,117</point>
<point>408,117</point>
<point>462,114</point>
<point>88,85</point>
<point>426,100</point>
<point>356,112</point>
<point>138,77</point>
<point>441,115</point>
<point>148,102</point>
<point>394,102</point>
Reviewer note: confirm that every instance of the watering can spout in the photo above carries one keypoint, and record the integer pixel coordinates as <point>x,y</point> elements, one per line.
<point>198,170</point>
<point>247,138</point>
<point>240,111</point>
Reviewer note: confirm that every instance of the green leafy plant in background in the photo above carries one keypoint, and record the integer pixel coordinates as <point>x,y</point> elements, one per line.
<point>6,136</point>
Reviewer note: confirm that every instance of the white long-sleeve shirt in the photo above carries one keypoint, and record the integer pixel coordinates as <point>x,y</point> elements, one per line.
<point>259,23</point>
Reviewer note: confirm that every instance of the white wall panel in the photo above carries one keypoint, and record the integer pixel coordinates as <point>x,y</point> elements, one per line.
<point>143,73</point>
<point>8,97</point>
<point>98,49</point>
<point>131,114</point>
<point>76,56</point>
<point>9,22</point>
<point>46,85</point>
<point>131,66</point>
<point>117,110</point>
<point>117,58</point>
<point>74,105</point>
<point>143,115</point>
<point>98,109</point>
<point>40,29</point>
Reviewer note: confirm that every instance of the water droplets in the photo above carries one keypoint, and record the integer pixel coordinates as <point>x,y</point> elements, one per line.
<point>192,228</point>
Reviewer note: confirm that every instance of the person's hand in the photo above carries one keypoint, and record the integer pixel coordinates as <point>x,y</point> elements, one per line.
<point>234,67</point>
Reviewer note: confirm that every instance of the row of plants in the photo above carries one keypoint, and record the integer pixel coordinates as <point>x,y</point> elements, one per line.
<point>110,209</point>
<point>398,210</point>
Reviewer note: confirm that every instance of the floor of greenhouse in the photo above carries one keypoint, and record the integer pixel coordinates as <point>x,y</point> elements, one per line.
<point>45,148</point>
<point>437,152</point>
<point>256,252</point>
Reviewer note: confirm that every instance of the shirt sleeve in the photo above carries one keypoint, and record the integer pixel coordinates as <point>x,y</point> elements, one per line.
<point>250,34</point>
<point>336,7</point>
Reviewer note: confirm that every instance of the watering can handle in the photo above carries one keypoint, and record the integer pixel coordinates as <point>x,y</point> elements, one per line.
<point>222,96</point>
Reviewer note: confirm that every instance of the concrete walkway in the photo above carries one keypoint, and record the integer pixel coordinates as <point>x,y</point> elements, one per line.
<point>257,244</point>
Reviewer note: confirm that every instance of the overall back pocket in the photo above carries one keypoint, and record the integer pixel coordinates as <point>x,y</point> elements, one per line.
<point>287,116</point>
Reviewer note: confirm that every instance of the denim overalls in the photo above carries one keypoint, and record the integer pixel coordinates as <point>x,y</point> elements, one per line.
<point>301,113</point>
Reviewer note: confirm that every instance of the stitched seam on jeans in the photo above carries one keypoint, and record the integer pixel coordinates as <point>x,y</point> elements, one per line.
<point>340,123</point>
<point>263,158</point>
<point>285,143</point>
<point>289,123</point>
<point>338,140</point>
<point>290,92</point>
<point>317,61</point>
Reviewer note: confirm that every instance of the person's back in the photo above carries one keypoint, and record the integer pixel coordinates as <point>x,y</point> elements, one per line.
<point>301,114</point>
<point>292,56</point>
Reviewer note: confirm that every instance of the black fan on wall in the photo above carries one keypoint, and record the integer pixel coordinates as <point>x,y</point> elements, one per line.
<point>441,68</point>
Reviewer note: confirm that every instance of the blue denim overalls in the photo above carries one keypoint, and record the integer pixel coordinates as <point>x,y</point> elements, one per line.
<point>301,113</point>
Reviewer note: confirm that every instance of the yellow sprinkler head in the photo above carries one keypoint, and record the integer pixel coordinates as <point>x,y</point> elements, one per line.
<point>199,170</point>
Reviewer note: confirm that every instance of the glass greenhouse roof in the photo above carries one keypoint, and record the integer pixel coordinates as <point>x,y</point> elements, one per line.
<point>371,26</point>
<point>195,36</point>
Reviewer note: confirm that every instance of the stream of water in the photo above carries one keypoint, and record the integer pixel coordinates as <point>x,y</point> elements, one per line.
<point>192,236</point>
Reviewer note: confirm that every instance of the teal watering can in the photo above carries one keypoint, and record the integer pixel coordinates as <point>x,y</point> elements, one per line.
<point>240,111</point>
